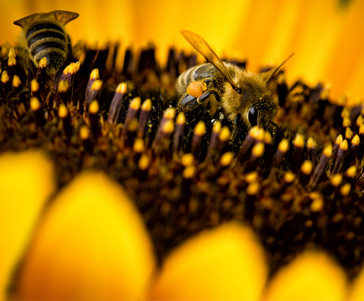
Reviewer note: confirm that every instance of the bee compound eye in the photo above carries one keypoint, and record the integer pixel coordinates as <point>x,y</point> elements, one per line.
<point>253,116</point>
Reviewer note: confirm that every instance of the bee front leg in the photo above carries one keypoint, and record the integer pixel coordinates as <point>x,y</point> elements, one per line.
<point>190,102</point>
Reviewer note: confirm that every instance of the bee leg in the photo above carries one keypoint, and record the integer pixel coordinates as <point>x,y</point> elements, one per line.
<point>201,99</point>
<point>186,100</point>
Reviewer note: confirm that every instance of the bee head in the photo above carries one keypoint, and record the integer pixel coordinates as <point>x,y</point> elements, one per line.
<point>251,99</point>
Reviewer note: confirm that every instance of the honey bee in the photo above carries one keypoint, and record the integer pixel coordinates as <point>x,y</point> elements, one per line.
<point>45,36</point>
<point>242,94</point>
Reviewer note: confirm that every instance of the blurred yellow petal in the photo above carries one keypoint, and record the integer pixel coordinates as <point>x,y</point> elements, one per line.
<point>26,182</point>
<point>311,276</point>
<point>91,245</point>
<point>226,263</point>
<point>357,290</point>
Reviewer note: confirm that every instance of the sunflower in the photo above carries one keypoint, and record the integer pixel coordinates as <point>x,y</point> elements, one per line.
<point>111,191</point>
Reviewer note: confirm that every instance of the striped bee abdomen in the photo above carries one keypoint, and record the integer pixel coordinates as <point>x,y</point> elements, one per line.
<point>47,40</point>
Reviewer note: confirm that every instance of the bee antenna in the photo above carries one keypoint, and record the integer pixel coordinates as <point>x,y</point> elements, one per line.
<point>276,70</point>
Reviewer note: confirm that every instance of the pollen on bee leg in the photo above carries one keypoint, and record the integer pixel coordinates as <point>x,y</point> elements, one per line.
<point>196,88</point>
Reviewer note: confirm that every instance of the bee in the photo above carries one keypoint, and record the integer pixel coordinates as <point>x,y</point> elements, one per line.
<point>242,94</point>
<point>45,36</point>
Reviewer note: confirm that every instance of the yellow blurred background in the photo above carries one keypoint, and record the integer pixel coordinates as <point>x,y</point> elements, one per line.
<point>327,36</point>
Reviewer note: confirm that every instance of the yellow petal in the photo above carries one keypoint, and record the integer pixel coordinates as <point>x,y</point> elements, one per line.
<point>91,245</point>
<point>311,276</point>
<point>226,263</point>
<point>26,182</point>
<point>357,290</point>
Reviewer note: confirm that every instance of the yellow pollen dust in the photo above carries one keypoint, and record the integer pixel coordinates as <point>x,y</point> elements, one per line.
<point>283,145</point>
<point>16,81</point>
<point>216,128</point>
<point>359,120</point>
<point>267,138</point>
<point>355,140</point>
<point>181,118</point>
<point>336,180</point>
<point>339,139</point>
<point>63,86</point>
<point>317,204</point>
<point>122,88</point>
<point>311,143</point>
<point>189,172</point>
<point>168,127</point>
<point>224,134</point>
<point>345,113</point>
<point>187,159</point>
<point>226,158</point>
<point>289,177</point>
<point>144,162</point>
<point>11,61</point>
<point>94,74</point>
<point>200,128</point>
<point>299,141</point>
<point>138,146</point>
<point>43,63</point>
<point>84,132</point>
<point>135,103</point>
<point>346,122</point>
<point>11,52</point>
<point>147,105</point>
<point>328,150</point>
<point>94,107</point>
<point>62,111</point>
<point>34,85</point>
<point>259,134</point>
<point>35,104</point>
<point>253,130</point>
<point>253,188</point>
<point>4,77</point>
<point>96,85</point>
<point>169,113</point>
<point>306,167</point>
<point>345,189</point>
<point>251,177</point>
<point>258,149</point>
<point>344,145</point>
<point>361,129</point>
<point>348,133</point>
<point>351,171</point>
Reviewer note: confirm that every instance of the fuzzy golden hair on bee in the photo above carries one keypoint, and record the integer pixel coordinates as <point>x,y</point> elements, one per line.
<point>45,37</point>
<point>242,94</point>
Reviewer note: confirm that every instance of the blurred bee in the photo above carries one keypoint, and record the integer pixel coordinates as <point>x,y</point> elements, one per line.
<point>241,93</point>
<point>45,36</point>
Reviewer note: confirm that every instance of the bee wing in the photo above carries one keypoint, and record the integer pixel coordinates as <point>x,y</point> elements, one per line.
<point>63,16</point>
<point>206,51</point>
<point>26,20</point>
